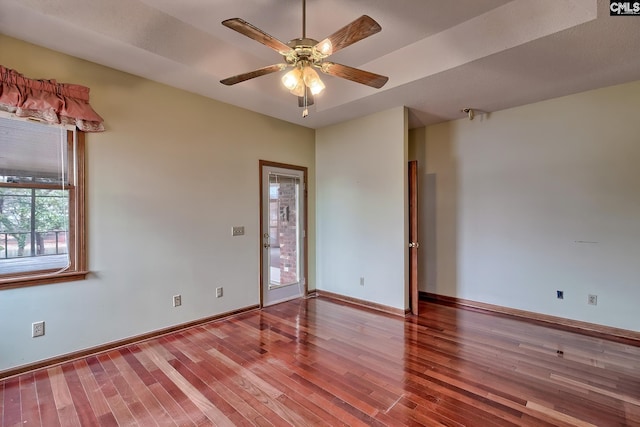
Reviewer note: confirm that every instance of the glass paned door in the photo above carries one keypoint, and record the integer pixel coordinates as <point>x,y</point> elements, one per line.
<point>283,227</point>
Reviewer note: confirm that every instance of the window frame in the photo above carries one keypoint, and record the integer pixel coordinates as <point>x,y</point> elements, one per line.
<point>77,224</point>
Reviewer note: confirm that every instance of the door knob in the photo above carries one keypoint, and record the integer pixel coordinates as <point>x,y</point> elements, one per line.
<point>266,245</point>
<point>414,245</point>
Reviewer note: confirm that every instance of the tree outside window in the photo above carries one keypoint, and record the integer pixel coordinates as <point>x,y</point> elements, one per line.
<point>30,217</point>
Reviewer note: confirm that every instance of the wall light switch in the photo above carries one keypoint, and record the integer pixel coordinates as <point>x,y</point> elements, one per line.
<point>37,329</point>
<point>177,300</point>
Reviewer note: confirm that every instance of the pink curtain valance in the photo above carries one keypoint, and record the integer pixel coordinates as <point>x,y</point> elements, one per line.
<point>47,100</point>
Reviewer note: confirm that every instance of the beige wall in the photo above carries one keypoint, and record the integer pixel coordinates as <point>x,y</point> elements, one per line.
<point>523,202</point>
<point>362,208</point>
<point>166,182</point>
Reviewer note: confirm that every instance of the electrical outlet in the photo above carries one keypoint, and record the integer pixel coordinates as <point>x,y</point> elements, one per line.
<point>177,300</point>
<point>362,281</point>
<point>37,329</point>
<point>593,300</point>
<point>237,231</point>
<point>560,294</point>
<point>219,292</point>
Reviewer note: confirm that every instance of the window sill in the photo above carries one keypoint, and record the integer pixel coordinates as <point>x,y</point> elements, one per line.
<point>19,282</point>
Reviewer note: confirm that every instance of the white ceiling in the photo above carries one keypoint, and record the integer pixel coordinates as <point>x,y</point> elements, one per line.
<point>440,56</point>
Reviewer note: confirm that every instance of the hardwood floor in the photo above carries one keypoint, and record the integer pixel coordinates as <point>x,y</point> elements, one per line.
<point>318,362</point>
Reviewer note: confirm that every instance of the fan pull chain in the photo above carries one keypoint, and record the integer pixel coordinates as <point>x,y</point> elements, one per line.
<point>305,112</point>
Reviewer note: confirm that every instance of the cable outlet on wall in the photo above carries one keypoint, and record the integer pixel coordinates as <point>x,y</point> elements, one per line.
<point>177,300</point>
<point>37,329</point>
<point>593,299</point>
<point>219,292</point>
<point>362,281</point>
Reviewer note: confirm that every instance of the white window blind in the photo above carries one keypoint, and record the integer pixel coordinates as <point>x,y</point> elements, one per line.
<point>27,153</point>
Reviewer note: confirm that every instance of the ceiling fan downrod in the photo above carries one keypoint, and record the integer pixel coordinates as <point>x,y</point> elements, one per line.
<point>304,19</point>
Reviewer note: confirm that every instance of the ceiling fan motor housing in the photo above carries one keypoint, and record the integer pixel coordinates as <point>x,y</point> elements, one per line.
<point>303,50</point>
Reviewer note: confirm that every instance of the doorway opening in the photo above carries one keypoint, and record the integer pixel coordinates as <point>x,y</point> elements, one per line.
<point>283,231</point>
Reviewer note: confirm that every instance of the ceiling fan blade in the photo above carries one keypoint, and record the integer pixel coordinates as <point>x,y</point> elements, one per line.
<point>354,74</point>
<point>253,74</point>
<point>255,33</point>
<point>359,29</point>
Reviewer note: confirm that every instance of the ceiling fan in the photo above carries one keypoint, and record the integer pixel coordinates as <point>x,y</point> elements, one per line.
<point>305,55</point>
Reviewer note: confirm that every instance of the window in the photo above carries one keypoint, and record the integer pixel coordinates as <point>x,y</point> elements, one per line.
<point>42,236</point>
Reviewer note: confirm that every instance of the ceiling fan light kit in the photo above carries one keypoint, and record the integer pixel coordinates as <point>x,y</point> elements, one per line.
<point>292,79</point>
<point>305,55</point>
<point>312,80</point>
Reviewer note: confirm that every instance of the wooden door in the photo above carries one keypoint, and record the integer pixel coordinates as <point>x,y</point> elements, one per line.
<point>413,237</point>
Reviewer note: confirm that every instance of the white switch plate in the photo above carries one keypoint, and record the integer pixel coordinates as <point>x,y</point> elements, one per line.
<point>219,292</point>
<point>237,231</point>
<point>177,300</point>
<point>37,329</point>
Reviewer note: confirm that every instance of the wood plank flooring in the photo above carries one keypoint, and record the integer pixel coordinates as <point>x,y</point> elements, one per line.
<point>317,362</point>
